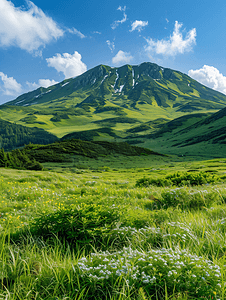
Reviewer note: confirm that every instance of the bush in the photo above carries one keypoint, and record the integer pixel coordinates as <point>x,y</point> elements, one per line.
<point>179,179</point>
<point>81,225</point>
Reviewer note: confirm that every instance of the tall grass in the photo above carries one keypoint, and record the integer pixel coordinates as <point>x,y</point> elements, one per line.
<point>119,242</point>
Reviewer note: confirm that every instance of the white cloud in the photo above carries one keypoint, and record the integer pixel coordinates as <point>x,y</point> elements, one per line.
<point>10,86</point>
<point>27,29</point>
<point>77,32</point>
<point>47,82</point>
<point>138,25</point>
<point>175,44</point>
<point>122,57</point>
<point>70,65</point>
<point>121,8</point>
<point>111,45</point>
<point>42,82</point>
<point>210,77</point>
<point>116,23</point>
<point>96,32</point>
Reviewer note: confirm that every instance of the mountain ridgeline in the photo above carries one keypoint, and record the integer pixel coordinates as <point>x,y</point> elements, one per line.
<point>147,83</point>
<point>145,105</point>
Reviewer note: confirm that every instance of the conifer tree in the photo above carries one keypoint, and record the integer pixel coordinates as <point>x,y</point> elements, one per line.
<point>3,158</point>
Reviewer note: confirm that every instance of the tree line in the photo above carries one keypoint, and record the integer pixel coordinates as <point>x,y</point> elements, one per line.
<point>13,136</point>
<point>18,159</point>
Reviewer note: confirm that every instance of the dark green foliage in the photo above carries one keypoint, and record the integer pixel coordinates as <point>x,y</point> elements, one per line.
<point>118,120</point>
<point>196,178</point>
<point>29,119</point>
<point>145,182</point>
<point>3,158</point>
<point>18,159</point>
<point>126,149</point>
<point>59,116</point>
<point>88,135</point>
<point>13,136</point>
<point>63,150</point>
<point>180,179</point>
<point>80,225</point>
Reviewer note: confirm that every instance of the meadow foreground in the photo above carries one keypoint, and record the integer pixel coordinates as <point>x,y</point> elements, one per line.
<point>113,234</point>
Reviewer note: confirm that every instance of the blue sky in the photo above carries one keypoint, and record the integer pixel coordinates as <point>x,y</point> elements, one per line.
<point>44,42</point>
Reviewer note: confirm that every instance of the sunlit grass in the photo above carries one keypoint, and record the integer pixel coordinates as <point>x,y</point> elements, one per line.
<point>37,267</point>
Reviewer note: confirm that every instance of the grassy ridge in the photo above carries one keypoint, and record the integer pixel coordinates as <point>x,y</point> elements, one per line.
<point>204,138</point>
<point>64,150</point>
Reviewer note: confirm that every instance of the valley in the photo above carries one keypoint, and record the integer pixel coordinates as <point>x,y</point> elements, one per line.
<point>113,186</point>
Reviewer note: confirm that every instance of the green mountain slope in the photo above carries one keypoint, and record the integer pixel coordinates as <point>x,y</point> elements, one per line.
<point>155,107</point>
<point>120,98</point>
<point>203,136</point>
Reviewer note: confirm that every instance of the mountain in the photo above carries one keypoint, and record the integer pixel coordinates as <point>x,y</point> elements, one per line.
<point>136,104</point>
<point>147,83</point>
<point>94,99</point>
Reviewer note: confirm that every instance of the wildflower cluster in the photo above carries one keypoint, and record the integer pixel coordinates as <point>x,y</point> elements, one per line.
<point>153,270</point>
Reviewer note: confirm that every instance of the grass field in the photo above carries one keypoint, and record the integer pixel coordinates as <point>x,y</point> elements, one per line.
<point>87,230</point>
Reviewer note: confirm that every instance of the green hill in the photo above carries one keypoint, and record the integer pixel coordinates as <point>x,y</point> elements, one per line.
<point>129,103</point>
<point>203,136</point>
<point>104,95</point>
<point>65,150</point>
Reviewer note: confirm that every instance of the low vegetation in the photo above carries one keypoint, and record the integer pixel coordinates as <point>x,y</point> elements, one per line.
<point>180,179</point>
<point>101,235</point>
<point>17,159</point>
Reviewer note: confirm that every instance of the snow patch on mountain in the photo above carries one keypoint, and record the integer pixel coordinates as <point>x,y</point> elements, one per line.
<point>104,78</point>
<point>65,84</point>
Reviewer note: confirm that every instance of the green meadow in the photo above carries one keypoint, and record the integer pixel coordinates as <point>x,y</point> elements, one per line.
<point>114,227</point>
<point>100,218</point>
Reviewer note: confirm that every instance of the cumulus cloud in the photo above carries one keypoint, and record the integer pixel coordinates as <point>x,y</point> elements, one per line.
<point>210,77</point>
<point>111,45</point>
<point>10,86</point>
<point>175,44</point>
<point>70,65</point>
<point>27,29</point>
<point>118,22</point>
<point>138,25</point>
<point>122,57</point>
<point>41,83</point>
<point>77,32</point>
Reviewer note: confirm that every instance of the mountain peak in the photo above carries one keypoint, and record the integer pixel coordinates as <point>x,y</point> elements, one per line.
<point>137,85</point>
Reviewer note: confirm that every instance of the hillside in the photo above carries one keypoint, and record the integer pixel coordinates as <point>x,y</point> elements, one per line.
<point>14,136</point>
<point>68,149</point>
<point>120,98</point>
<point>205,137</point>
<point>144,105</point>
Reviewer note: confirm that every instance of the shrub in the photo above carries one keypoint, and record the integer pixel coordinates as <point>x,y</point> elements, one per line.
<point>179,179</point>
<point>81,225</point>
